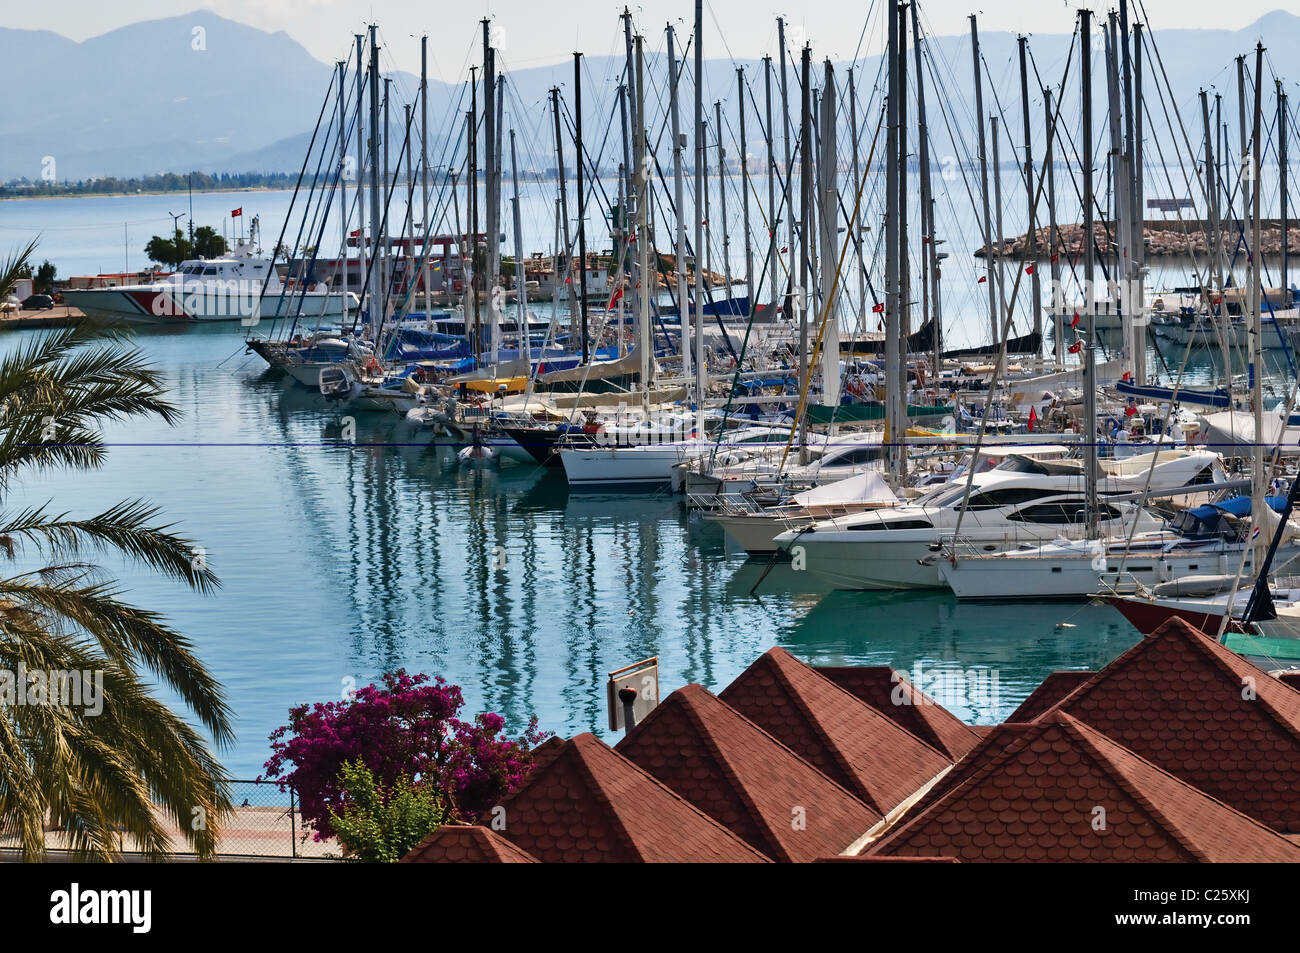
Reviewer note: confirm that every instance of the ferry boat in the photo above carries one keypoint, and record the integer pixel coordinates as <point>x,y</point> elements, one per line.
<point>240,286</point>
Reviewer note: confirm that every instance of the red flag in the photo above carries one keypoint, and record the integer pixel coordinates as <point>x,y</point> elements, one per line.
<point>878,307</point>
<point>356,234</point>
<point>1056,258</point>
<point>615,298</point>
<point>1074,321</point>
<point>1033,418</point>
<point>1076,347</point>
<point>983,278</point>
<point>784,250</point>
<point>237,212</point>
<point>1029,269</point>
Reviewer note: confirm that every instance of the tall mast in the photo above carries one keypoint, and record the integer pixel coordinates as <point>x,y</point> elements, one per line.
<point>771,182</point>
<point>343,183</point>
<point>930,301</point>
<point>629,134</point>
<point>360,173</point>
<point>1053,249</point>
<point>471,209</point>
<point>1089,270</point>
<point>984,180</point>
<point>385,269</point>
<point>376,295</point>
<point>521,282</point>
<point>806,239</point>
<point>1121,300</point>
<point>996,134</point>
<point>564,208</point>
<point>829,221</point>
<point>904,260</point>
<point>679,199</point>
<point>580,163</point>
<point>492,271</point>
<point>1216,237</point>
<point>1282,117</point>
<point>1257,302</point>
<point>722,198</point>
<point>1035,288</point>
<point>858,252</point>
<point>700,381</point>
<point>426,248</point>
<point>893,343</point>
<point>1137,234</point>
<point>744,195</point>
<point>645,345</point>
<point>789,170</point>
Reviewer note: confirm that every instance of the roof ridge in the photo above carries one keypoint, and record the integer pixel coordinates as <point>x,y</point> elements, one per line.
<point>1075,729</point>
<point>1084,729</point>
<point>598,789</point>
<point>655,782</point>
<point>737,785</point>
<point>1201,643</point>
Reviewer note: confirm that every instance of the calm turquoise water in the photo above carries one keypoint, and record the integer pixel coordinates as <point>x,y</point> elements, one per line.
<point>340,563</point>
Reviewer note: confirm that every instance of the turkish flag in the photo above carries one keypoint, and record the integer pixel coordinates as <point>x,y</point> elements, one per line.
<point>1076,347</point>
<point>1074,321</point>
<point>878,307</point>
<point>983,278</point>
<point>1056,258</point>
<point>237,212</point>
<point>1029,269</point>
<point>1033,418</point>
<point>614,299</point>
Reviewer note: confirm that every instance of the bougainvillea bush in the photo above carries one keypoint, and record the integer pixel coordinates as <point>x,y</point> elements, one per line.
<point>407,728</point>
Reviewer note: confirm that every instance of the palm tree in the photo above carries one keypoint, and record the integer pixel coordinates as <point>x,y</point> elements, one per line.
<point>135,767</point>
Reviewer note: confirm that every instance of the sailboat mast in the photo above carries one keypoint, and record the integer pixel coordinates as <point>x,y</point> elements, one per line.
<point>376,296</point>
<point>1089,270</point>
<point>360,172</point>
<point>1137,232</point>
<point>521,282</point>
<point>984,181</point>
<point>893,356</point>
<point>829,185</point>
<point>744,195</point>
<point>1031,251</point>
<point>582,200</point>
<point>700,380</point>
<point>427,225</point>
<point>771,183</point>
<point>1259,486</point>
<point>646,343</point>
<point>722,199</point>
<point>1282,117</point>
<point>1053,249</point>
<point>930,301</point>
<point>679,199</point>
<point>791,237</point>
<point>806,239</point>
<point>492,269</point>
<point>343,184</point>
<point>564,207</point>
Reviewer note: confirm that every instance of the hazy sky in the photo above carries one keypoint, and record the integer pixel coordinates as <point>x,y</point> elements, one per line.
<point>537,32</point>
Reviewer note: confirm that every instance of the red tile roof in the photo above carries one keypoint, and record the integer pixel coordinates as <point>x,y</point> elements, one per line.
<point>845,739</point>
<point>1035,792</point>
<point>745,779</point>
<point>467,844</point>
<point>890,692</point>
<point>589,804</point>
<point>1053,688</point>
<point>1188,704</point>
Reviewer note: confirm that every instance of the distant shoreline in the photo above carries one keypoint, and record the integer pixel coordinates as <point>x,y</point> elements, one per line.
<point>111,195</point>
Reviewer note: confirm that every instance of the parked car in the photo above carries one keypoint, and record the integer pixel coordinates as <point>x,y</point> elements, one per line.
<point>38,303</point>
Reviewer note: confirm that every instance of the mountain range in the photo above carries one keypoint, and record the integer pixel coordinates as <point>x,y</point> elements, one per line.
<point>142,99</point>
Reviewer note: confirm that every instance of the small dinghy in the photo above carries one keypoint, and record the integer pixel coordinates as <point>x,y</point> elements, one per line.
<point>478,453</point>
